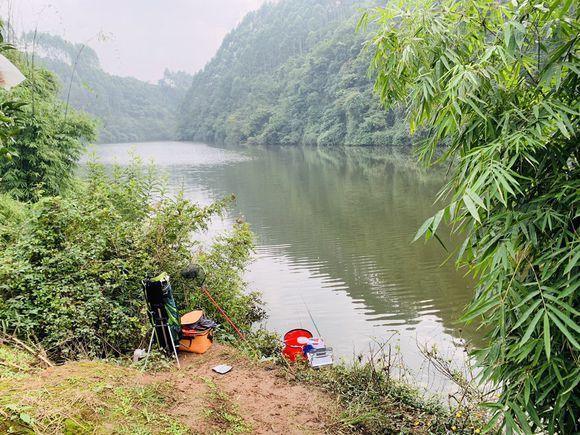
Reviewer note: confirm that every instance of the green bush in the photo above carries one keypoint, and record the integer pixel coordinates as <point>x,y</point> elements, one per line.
<point>71,267</point>
<point>224,264</point>
<point>12,212</point>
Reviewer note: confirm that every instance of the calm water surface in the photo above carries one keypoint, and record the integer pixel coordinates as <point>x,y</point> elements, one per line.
<point>334,230</point>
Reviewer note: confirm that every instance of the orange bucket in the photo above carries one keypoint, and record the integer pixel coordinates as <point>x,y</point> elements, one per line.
<point>200,343</point>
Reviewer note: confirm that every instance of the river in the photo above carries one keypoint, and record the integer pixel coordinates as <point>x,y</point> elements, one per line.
<point>333,230</point>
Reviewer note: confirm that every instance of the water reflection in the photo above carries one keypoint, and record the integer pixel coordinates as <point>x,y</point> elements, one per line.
<point>334,229</point>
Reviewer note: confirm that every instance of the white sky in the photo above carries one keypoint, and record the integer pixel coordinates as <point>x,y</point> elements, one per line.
<point>142,37</point>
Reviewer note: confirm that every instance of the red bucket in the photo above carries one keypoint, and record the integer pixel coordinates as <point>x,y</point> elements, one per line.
<point>293,349</point>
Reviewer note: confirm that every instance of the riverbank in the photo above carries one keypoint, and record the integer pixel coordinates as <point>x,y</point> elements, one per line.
<point>101,396</point>
<point>72,267</point>
<point>255,397</point>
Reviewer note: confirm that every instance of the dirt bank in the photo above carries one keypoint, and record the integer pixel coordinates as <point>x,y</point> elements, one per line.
<point>100,397</point>
<point>267,401</point>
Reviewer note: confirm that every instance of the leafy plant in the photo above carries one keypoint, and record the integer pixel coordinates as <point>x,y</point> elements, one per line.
<point>9,108</point>
<point>71,267</point>
<point>374,401</point>
<point>226,261</point>
<point>43,145</point>
<point>498,82</point>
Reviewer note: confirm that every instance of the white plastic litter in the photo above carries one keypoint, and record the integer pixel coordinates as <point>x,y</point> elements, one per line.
<point>139,354</point>
<point>10,76</point>
<point>222,369</point>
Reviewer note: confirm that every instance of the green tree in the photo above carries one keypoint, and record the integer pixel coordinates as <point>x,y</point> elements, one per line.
<point>291,73</point>
<point>9,110</point>
<point>128,109</point>
<point>498,83</point>
<point>45,142</point>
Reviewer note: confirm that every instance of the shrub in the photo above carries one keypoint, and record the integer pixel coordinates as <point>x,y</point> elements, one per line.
<point>224,264</point>
<point>70,273</point>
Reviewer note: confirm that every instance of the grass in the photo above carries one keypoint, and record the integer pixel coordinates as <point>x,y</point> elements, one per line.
<point>106,397</point>
<point>87,397</point>
<point>374,403</point>
<point>14,363</point>
<point>222,413</point>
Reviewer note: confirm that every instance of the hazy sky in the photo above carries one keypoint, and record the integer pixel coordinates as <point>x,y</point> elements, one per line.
<point>142,37</point>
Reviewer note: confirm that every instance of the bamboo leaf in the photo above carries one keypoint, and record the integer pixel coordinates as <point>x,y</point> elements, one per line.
<point>503,100</point>
<point>475,197</point>
<point>531,327</point>
<point>564,331</point>
<point>480,310</point>
<point>437,220</point>
<point>471,207</point>
<point>572,263</point>
<point>526,315</point>
<point>527,298</point>
<point>547,342</point>
<point>423,229</point>
<point>521,417</point>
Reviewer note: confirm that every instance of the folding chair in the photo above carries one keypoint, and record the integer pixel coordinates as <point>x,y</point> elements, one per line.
<point>163,315</point>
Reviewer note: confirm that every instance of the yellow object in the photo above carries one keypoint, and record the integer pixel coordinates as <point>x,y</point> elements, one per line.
<point>191,317</point>
<point>198,344</point>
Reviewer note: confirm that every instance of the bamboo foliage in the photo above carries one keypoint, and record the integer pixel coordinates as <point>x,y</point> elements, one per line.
<point>496,86</point>
<point>9,109</point>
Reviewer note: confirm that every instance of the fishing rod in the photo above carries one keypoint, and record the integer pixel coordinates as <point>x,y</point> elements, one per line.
<point>196,274</point>
<point>311,317</point>
<point>220,309</point>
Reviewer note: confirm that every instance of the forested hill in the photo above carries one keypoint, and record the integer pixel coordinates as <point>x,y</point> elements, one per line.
<point>129,109</point>
<point>292,72</point>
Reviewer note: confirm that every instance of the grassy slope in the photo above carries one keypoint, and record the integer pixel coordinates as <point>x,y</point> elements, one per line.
<point>85,397</point>
<point>107,397</point>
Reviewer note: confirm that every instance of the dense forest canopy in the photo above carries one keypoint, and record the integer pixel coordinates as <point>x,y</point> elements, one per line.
<point>293,72</point>
<point>128,109</point>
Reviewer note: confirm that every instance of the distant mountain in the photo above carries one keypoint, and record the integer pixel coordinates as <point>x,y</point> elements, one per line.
<point>292,72</point>
<point>129,109</point>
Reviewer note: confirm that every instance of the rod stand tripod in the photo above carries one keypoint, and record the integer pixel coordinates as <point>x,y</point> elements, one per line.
<point>151,346</point>
<point>163,315</point>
